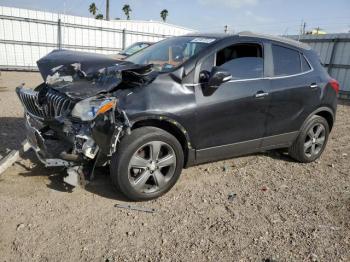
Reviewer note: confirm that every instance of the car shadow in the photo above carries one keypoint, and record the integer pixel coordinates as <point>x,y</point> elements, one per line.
<point>11,136</point>
<point>278,154</point>
<point>11,133</point>
<point>101,185</point>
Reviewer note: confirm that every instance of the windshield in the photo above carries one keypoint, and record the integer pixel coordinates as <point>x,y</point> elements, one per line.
<point>134,48</point>
<point>171,53</point>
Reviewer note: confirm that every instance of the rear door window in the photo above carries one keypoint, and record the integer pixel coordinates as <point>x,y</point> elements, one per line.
<point>286,61</point>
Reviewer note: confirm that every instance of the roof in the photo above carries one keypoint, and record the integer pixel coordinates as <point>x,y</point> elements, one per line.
<point>284,40</point>
<point>255,35</point>
<point>210,35</point>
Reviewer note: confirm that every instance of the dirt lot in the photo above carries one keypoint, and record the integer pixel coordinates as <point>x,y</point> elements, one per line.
<point>283,211</point>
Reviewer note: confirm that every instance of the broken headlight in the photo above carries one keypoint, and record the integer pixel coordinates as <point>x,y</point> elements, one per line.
<point>89,108</point>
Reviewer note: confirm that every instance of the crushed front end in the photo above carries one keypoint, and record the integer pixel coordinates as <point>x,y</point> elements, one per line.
<point>72,119</point>
<point>61,139</point>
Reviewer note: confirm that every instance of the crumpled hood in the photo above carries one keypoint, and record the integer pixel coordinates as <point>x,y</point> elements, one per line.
<point>90,62</point>
<point>80,75</point>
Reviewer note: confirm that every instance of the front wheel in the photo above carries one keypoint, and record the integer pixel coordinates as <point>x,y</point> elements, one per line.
<point>147,163</point>
<point>311,141</point>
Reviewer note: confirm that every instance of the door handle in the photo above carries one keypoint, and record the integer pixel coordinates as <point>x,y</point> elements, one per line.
<point>313,85</point>
<point>261,94</point>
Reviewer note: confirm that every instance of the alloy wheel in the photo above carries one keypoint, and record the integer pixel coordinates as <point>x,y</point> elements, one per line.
<point>152,166</point>
<point>315,140</point>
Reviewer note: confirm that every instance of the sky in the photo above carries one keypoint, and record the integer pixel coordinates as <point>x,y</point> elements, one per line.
<point>265,16</point>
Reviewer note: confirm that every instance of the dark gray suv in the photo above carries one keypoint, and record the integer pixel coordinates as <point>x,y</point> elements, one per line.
<point>181,102</point>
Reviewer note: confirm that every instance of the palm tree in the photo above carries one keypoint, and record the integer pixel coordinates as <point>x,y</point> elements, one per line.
<point>127,10</point>
<point>99,16</point>
<point>163,14</point>
<point>93,9</point>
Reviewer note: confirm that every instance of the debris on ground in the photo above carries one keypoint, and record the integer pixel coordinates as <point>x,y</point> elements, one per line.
<point>231,196</point>
<point>137,208</point>
<point>226,168</point>
<point>20,226</point>
<point>264,188</point>
<point>313,257</point>
<point>13,156</point>
<point>207,169</point>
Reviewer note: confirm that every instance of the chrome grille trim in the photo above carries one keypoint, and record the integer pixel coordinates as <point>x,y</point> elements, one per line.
<point>56,104</point>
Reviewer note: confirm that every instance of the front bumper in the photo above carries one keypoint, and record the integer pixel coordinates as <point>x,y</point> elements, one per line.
<point>60,148</point>
<point>52,151</point>
<point>39,144</point>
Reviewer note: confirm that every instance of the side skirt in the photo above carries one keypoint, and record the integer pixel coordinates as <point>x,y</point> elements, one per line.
<point>243,148</point>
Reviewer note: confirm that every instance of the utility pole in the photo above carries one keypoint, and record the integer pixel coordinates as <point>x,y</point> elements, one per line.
<point>304,28</point>
<point>301,29</point>
<point>59,34</point>
<point>225,29</point>
<point>318,30</point>
<point>107,10</point>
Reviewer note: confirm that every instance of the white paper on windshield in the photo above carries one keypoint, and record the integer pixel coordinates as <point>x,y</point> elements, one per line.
<point>203,40</point>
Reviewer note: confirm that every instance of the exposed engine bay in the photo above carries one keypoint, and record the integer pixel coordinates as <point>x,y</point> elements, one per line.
<point>72,119</point>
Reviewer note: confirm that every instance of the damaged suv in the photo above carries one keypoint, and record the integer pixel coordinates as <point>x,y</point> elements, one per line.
<point>181,102</point>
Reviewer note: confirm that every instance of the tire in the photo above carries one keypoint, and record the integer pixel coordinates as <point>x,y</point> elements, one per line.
<point>308,147</point>
<point>138,171</point>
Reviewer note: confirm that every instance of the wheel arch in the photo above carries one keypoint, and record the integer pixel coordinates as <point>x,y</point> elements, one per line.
<point>325,112</point>
<point>173,127</point>
<point>328,115</point>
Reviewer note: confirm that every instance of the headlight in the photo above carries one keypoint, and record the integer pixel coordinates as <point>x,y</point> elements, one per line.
<point>89,108</point>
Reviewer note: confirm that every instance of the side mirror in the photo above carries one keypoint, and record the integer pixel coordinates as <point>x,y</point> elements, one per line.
<point>178,74</point>
<point>218,76</point>
<point>212,80</point>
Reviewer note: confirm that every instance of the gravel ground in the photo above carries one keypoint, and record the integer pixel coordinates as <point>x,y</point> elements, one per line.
<point>280,210</point>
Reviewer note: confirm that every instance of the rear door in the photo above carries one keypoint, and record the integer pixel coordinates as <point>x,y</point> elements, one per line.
<point>293,93</point>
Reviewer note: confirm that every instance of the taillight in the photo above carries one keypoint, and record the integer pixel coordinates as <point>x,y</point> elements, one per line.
<point>335,85</point>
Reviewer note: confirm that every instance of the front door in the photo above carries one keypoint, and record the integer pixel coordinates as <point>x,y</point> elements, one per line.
<point>231,120</point>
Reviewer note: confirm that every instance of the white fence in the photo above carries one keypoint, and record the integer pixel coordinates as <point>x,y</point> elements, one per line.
<point>26,35</point>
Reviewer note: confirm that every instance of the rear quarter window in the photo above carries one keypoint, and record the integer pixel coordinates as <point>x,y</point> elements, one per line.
<point>305,66</point>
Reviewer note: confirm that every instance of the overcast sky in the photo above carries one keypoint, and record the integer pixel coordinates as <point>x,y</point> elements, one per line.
<point>266,16</point>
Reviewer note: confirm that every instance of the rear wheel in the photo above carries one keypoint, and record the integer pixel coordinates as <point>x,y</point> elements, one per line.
<point>311,141</point>
<point>147,164</point>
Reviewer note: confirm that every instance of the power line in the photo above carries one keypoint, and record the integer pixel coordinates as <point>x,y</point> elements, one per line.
<point>287,22</point>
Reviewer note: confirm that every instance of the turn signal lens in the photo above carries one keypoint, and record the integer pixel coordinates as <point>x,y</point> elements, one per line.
<point>106,107</point>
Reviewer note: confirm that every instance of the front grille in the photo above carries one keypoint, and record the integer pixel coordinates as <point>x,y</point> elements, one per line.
<point>54,104</point>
